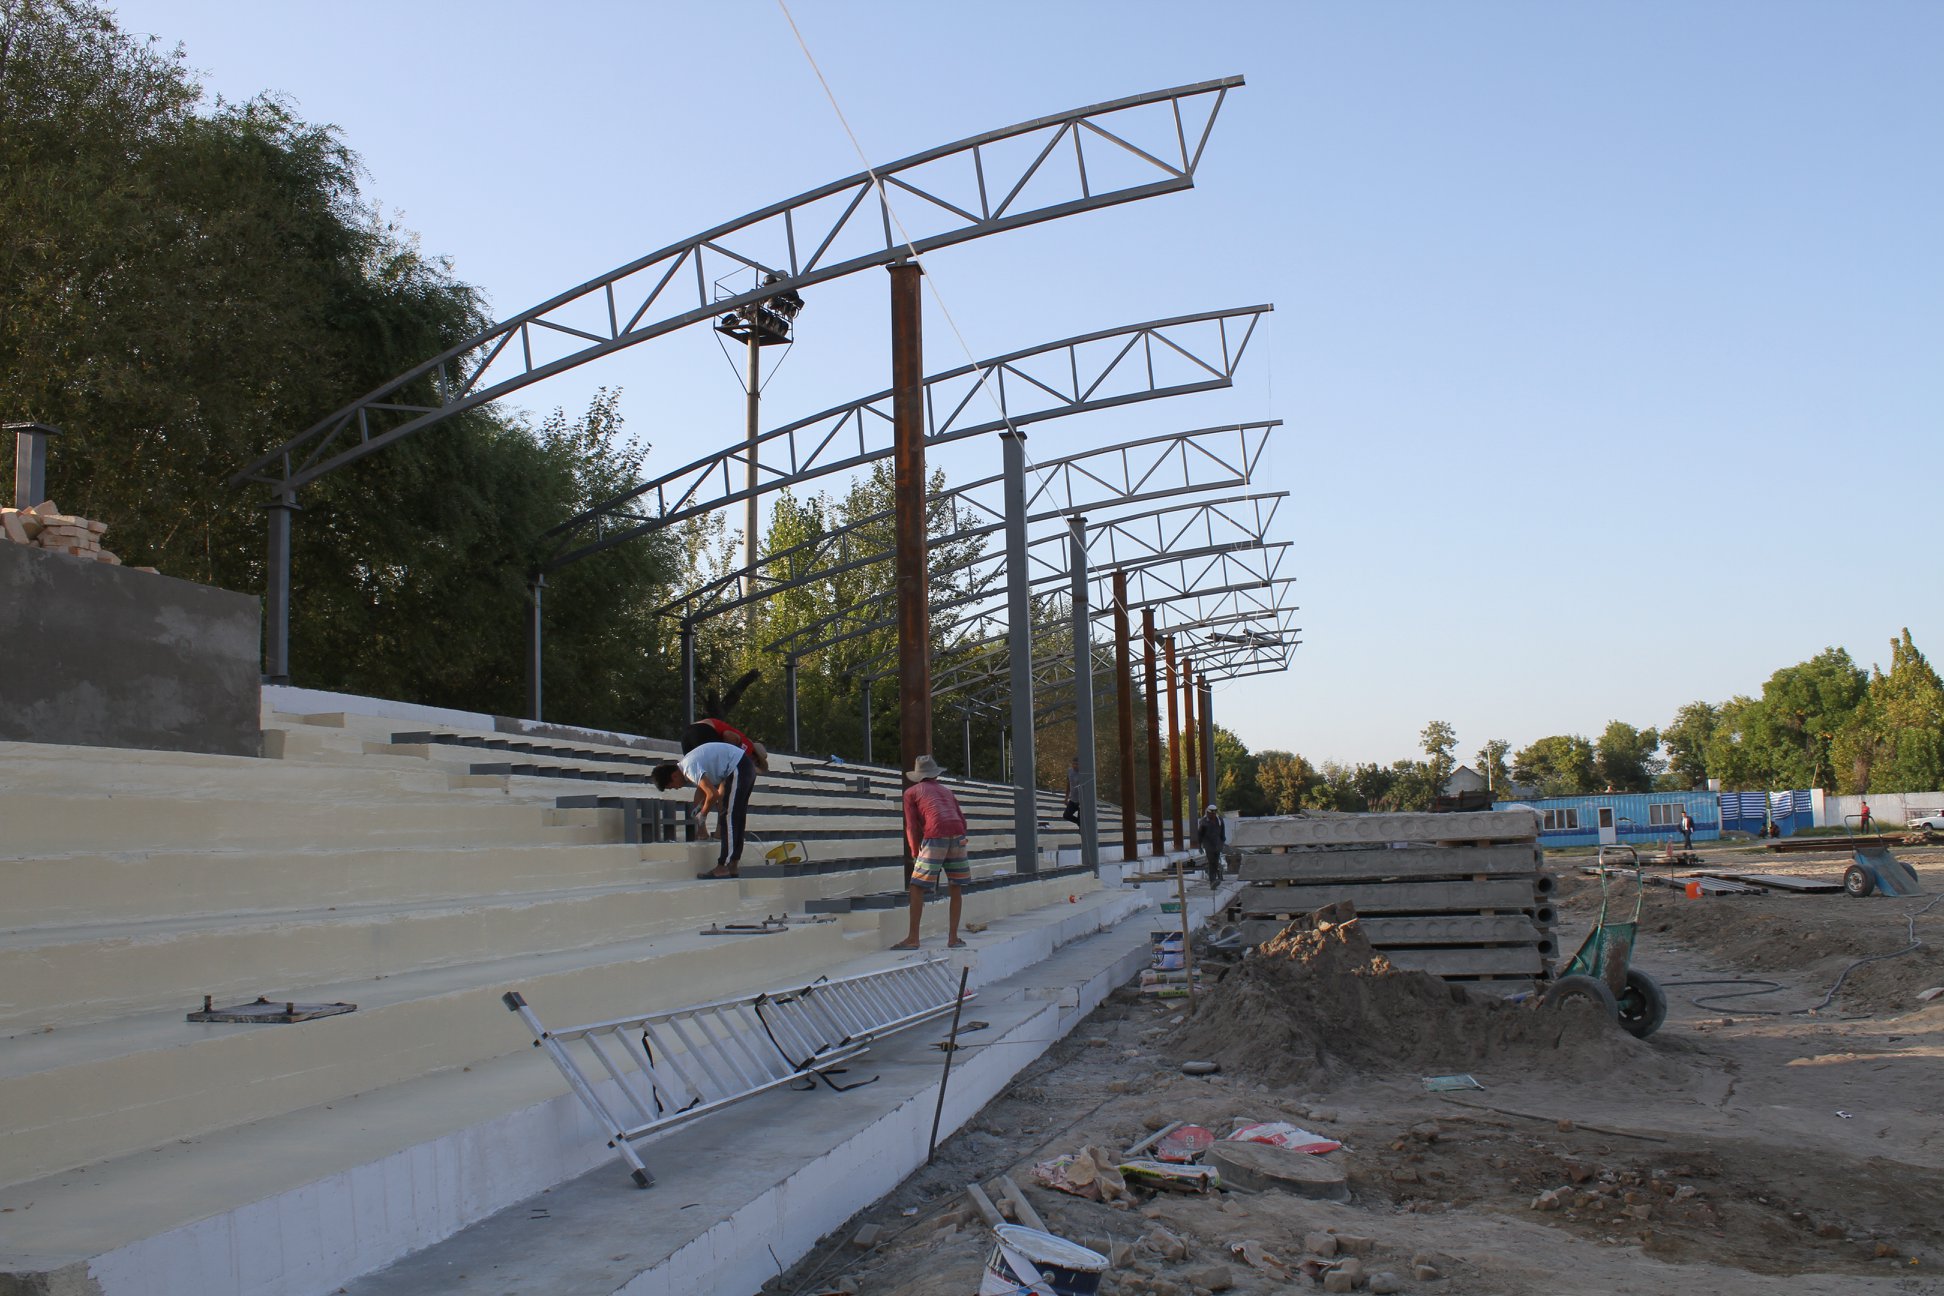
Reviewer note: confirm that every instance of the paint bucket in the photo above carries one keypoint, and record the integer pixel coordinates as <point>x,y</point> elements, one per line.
<point>1065,1268</point>
<point>1167,951</point>
<point>1694,890</point>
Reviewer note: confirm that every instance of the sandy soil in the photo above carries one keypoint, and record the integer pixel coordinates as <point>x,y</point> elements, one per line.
<point>1748,1140</point>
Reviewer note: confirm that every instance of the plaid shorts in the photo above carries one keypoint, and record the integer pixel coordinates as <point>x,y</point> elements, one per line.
<point>938,855</point>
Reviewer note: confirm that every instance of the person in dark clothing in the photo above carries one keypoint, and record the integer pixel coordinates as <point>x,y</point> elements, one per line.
<point>1687,831</point>
<point>1213,833</point>
<point>1072,814</point>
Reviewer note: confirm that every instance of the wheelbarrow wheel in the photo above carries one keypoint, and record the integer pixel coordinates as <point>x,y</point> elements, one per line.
<point>1858,882</point>
<point>1577,986</point>
<point>1643,1005</point>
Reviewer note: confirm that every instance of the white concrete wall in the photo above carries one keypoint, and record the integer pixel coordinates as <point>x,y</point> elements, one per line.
<point>1890,809</point>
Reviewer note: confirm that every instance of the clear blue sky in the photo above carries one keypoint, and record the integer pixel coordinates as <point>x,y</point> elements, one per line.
<point>1610,338</point>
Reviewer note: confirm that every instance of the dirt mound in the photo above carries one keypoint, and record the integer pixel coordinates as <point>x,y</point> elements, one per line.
<point>1323,1001</point>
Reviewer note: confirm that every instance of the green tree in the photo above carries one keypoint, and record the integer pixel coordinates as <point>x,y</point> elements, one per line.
<point>1626,759</point>
<point>1558,765</point>
<point>1895,740</point>
<point>1236,776</point>
<point>1439,740</point>
<point>1686,740</point>
<point>1288,782</point>
<point>1492,764</point>
<point>184,286</point>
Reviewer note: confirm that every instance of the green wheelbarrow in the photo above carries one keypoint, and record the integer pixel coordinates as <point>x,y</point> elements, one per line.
<point>1602,971</point>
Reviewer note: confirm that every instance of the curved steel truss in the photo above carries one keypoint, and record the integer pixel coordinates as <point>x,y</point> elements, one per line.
<point>1039,170</point>
<point>1120,366</point>
<point>1131,472</point>
<point>1185,547</point>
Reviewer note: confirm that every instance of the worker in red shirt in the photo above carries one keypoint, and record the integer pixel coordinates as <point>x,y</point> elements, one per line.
<point>935,832</point>
<point>712,729</point>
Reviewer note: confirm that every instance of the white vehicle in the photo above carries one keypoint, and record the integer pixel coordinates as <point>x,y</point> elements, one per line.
<point>1930,822</point>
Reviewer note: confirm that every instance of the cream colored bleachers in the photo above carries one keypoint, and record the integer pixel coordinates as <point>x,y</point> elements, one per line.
<point>344,866</point>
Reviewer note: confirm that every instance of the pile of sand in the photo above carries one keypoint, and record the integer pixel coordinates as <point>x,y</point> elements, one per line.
<point>1321,1000</point>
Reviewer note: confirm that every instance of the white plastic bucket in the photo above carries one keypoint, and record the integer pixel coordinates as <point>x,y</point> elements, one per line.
<point>1066,1268</point>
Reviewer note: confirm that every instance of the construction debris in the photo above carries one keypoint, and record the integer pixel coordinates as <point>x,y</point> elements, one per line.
<point>45,527</point>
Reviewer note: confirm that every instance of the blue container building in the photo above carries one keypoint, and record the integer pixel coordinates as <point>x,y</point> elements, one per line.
<point>1642,819</point>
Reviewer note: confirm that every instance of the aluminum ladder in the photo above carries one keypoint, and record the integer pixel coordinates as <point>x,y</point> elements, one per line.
<point>652,1071</point>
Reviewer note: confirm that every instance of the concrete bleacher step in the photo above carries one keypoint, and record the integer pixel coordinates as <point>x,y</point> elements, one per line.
<point>76,975</point>
<point>129,886</point>
<point>301,1203</point>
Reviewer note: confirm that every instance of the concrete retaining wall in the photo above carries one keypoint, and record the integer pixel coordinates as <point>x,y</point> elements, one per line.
<point>103,656</point>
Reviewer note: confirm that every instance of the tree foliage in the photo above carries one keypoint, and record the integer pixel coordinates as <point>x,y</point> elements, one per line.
<point>184,285</point>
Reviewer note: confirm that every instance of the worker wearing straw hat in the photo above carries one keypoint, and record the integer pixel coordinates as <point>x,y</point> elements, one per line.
<point>935,832</point>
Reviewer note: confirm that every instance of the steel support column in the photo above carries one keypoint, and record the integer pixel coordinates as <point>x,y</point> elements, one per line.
<point>688,672</point>
<point>1153,728</point>
<point>30,462</point>
<point>1083,720</point>
<point>1174,745</point>
<point>1190,744</point>
<point>1124,695</point>
<point>869,686</point>
<point>536,595</point>
<point>908,494</point>
<point>790,700</point>
<point>1019,623</point>
<point>965,722</point>
<point>276,600</point>
<point>1208,742</point>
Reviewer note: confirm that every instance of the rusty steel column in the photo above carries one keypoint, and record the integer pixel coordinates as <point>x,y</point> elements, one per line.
<point>1153,729</point>
<point>908,499</point>
<point>1174,744</point>
<point>1190,765</point>
<point>1124,694</point>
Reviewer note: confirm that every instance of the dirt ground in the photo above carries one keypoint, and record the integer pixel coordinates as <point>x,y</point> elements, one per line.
<point>1749,1139</point>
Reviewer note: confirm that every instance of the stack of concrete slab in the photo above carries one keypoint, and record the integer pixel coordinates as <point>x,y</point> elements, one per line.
<point>1465,896</point>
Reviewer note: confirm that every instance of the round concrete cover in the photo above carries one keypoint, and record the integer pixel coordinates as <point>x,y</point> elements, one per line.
<point>1261,1167</point>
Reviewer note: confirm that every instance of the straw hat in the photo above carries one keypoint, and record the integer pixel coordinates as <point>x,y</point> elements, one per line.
<point>926,768</point>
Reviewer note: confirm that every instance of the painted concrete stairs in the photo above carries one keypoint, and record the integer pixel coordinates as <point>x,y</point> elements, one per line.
<point>143,1153</point>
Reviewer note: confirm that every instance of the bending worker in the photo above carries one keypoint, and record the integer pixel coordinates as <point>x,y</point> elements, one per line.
<point>935,833</point>
<point>723,775</point>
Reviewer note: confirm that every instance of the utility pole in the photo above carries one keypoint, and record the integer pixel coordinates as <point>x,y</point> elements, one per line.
<point>758,324</point>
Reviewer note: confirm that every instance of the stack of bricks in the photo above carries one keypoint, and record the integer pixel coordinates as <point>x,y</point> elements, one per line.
<point>45,527</point>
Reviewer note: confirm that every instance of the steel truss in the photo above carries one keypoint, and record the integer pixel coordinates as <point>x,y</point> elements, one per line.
<point>1225,531</point>
<point>1093,371</point>
<point>1020,175</point>
<point>1159,467</point>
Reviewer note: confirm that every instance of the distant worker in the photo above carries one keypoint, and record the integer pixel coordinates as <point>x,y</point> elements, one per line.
<point>1213,832</point>
<point>1687,831</point>
<point>723,775</point>
<point>1864,825</point>
<point>935,833</point>
<point>1072,814</point>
